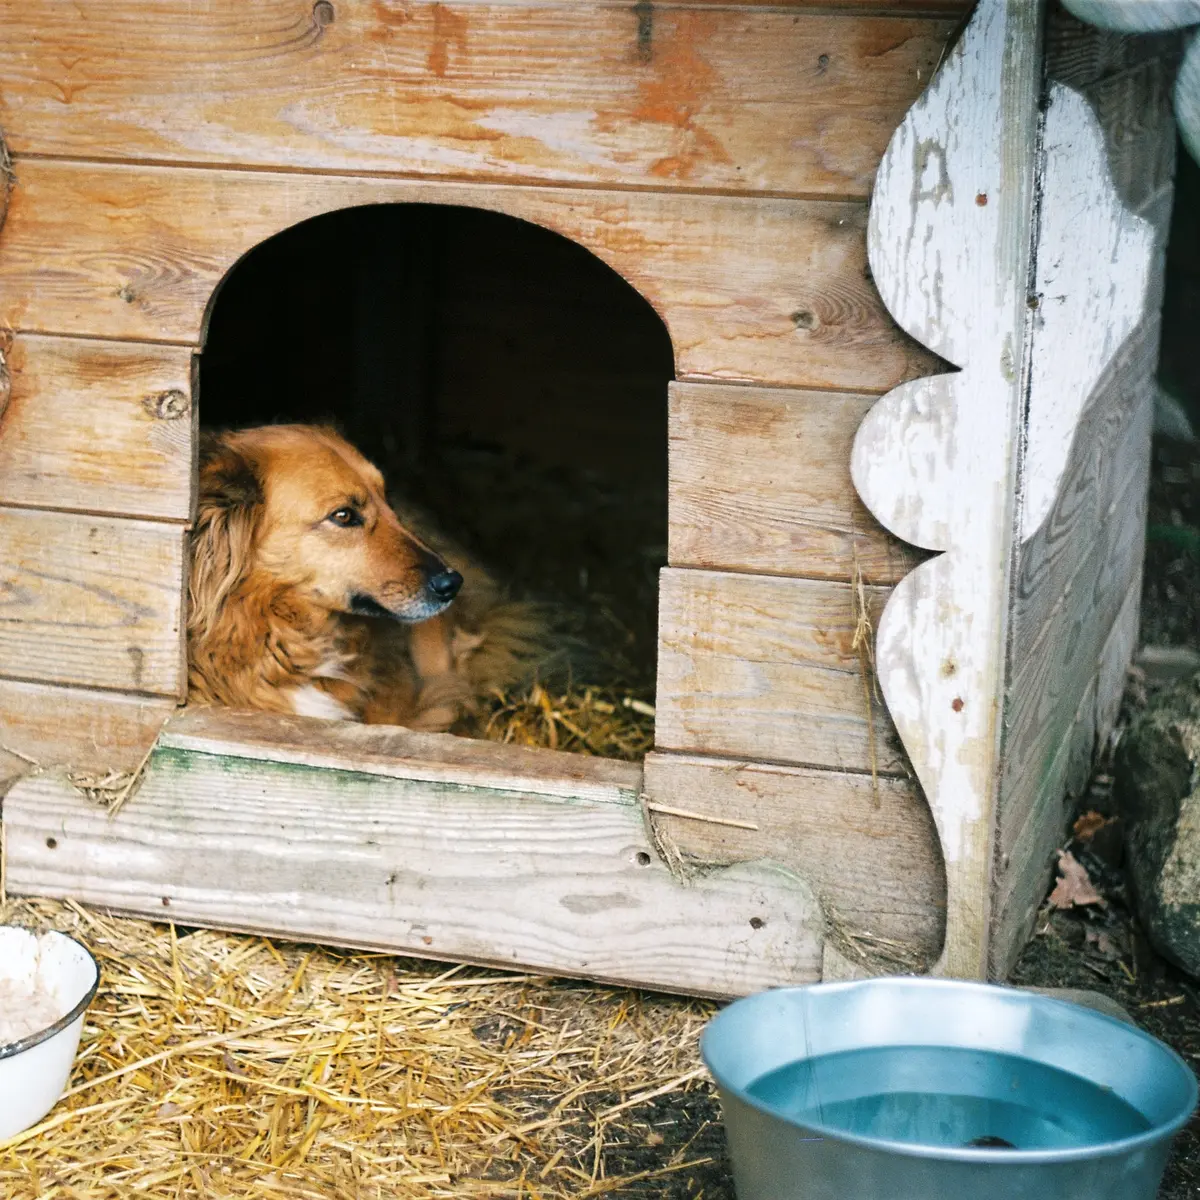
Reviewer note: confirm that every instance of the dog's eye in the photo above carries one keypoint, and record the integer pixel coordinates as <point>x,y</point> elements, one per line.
<point>345,517</point>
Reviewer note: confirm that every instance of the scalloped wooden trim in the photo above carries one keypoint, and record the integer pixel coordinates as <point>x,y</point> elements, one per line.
<point>949,244</point>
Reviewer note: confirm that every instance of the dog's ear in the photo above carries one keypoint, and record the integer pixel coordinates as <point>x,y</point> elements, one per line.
<point>228,479</point>
<point>230,499</point>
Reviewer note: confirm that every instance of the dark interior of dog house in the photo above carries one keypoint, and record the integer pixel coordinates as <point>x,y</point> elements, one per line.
<point>507,382</point>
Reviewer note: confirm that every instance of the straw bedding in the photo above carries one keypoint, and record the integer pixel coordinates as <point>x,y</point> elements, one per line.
<point>221,1065</point>
<point>590,550</point>
<point>230,1066</point>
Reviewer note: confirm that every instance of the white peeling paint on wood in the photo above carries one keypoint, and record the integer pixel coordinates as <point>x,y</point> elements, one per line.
<point>1135,16</point>
<point>934,460</point>
<point>1093,267</point>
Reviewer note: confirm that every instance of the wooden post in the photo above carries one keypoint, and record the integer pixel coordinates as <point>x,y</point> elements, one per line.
<point>950,247</point>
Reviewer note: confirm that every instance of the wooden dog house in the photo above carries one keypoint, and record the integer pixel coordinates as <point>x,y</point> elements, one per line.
<point>862,749</point>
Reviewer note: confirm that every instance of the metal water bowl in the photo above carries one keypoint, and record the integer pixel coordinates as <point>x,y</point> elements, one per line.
<point>930,1089</point>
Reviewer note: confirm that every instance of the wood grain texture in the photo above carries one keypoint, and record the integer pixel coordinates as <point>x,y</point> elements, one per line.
<point>1127,80</point>
<point>1111,445</point>
<point>1090,280</point>
<point>769,291</point>
<point>868,850</point>
<point>673,97</point>
<point>764,668</point>
<point>1079,55</point>
<point>104,427</point>
<point>93,731</point>
<point>1136,16</point>
<point>402,753</point>
<point>1057,669</point>
<point>760,482</point>
<point>510,878</point>
<point>1077,578</point>
<point>1027,866</point>
<point>92,601</point>
<point>935,460</point>
<point>1067,681</point>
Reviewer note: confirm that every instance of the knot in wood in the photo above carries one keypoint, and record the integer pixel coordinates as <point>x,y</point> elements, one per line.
<point>323,14</point>
<point>168,406</point>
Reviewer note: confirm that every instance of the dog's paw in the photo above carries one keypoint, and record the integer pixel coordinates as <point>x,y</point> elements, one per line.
<point>441,701</point>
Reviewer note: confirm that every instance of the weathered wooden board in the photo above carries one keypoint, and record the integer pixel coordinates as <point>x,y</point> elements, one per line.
<point>764,668</point>
<point>1090,281</point>
<point>1078,568</point>
<point>935,460</point>
<point>667,97</point>
<point>868,849</point>
<point>92,601</point>
<point>1110,444</point>
<point>457,871</point>
<point>770,291</point>
<point>1080,55</point>
<point>42,725</point>
<point>1026,859</point>
<point>1057,669</point>
<point>1137,16</point>
<point>402,754</point>
<point>100,426</point>
<point>1025,868</point>
<point>760,482</point>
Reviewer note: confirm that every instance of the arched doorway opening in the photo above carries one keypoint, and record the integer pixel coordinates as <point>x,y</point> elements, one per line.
<point>507,381</point>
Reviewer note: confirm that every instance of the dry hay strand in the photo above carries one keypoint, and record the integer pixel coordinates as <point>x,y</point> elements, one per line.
<point>876,954</point>
<point>863,644</point>
<point>605,722</point>
<point>7,178</point>
<point>222,1065</point>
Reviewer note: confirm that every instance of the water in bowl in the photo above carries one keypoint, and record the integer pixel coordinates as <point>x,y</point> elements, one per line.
<point>938,1096</point>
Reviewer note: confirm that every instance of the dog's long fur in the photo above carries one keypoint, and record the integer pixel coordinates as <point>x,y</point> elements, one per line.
<point>310,595</point>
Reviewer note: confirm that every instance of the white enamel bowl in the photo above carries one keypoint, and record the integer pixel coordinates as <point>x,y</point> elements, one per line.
<point>34,1070</point>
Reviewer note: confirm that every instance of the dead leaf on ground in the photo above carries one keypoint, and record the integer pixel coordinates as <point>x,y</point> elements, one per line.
<point>1074,889</point>
<point>1103,944</point>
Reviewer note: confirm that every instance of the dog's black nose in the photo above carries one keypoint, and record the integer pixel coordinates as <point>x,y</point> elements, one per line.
<point>445,584</point>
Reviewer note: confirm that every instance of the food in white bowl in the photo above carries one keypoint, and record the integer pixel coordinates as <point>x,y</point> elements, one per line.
<point>47,982</point>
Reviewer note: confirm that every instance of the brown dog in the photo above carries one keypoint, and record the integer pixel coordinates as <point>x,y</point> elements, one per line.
<point>309,596</point>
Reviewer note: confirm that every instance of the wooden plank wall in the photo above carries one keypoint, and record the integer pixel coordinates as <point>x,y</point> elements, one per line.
<point>410,843</point>
<point>1078,579</point>
<point>783,100</point>
<point>719,156</point>
<point>765,711</point>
